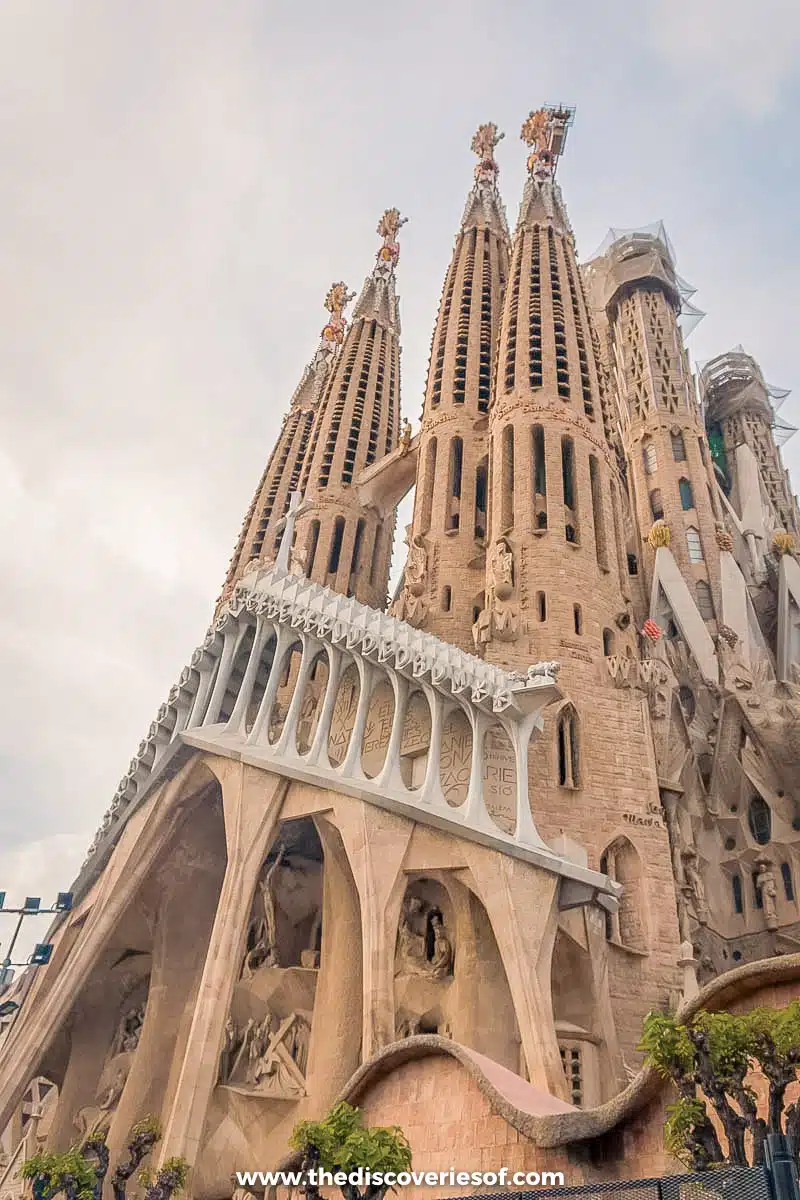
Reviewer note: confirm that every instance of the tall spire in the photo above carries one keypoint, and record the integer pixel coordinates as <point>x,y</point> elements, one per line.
<point>260,536</point>
<point>448,536</point>
<point>339,542</point>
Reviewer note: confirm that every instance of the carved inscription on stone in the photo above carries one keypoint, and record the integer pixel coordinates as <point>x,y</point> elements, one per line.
<point>456,758</point>
<point>500,779</point>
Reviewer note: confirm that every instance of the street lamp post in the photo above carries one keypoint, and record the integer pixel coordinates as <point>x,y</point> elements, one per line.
<point>42,951</point>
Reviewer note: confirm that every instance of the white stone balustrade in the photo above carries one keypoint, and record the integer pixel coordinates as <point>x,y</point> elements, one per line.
<point>274,631</point>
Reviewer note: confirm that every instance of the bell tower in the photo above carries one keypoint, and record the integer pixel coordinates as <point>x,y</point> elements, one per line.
<point>339,542</point>
<point>556,582</point>
<point>444,576</point>
<point>260,537</point>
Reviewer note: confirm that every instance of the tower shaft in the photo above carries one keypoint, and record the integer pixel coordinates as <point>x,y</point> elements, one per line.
<point>339,542</point>
<point>443,583</point>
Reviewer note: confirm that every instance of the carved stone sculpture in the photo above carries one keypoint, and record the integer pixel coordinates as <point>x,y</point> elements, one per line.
<point>231,1042</point>
<point>263,929</point>
<point>412,604</point>
<point>273,1057</point>
<point>412,955</point>
<point>441,958</point>
<point>129,1031</point>
<point>694,888</point>
<point>765,882</point>
<point>423,944</point>
<point>501,569</point>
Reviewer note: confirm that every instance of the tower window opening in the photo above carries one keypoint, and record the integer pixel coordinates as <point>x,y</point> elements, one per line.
<point>577,618</point>
<point>541,605</point>
<point>701,441</point>
<point>426,497</point>
<point>511,339</point>
<point>678,447</point>
<point>600,544</point>
<point>649,457</point>
<point>788,882</point>
<point>569,489</point>
<point>481,497</point>
<point>759,817</point>
<point>336,546</point>
<point>313,542</point>
<point>539,479</point>
<point>633,564</point>
<point>355,559</point>
<point>705,602</point>
<point>568,748</point>
<point>694,546</point>
<point>507,478</point>
<point>687,495</point>
<point>447,599</point>
<point>478,606</point>
<point>376,556</point>
<point>441,335</point>
<point>656,505</point>
<point>608,642</point>
<point>535,314</point>
<point>454,484</point>
<point>738,898</point>
<point>484,366</point>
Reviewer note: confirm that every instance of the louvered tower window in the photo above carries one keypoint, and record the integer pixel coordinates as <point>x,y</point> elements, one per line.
<point>462,339</point>
<point>535,313</point>
<point>559,326</point>
<point>485,353</point>
<point>511,339</point>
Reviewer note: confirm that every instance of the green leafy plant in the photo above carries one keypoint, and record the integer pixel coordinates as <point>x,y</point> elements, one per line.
<point>709,1060</point>
<point>80,1172</point>
<point>341,1142</point>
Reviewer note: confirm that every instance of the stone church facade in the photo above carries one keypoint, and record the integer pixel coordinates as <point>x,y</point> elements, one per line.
<point>440,853</point>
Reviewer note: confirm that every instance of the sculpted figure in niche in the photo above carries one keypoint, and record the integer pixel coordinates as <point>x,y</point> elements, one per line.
<point>765,882</point>
<point>440,951</point>
<point>412,955</point>
<point>263,929</point>
<point>96,1118</point>
<point>694,888</point>
<point>129,1031</point>
<point>501,568</point>
<point>230,1044</point>
<point>423,944</point>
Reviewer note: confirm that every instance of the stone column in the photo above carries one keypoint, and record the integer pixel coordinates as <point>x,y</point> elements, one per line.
<point>190,883</point>
<point>252,801</point>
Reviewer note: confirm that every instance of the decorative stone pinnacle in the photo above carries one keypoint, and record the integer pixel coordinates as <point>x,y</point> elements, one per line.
<point>388,227</point>
<point>483,144</point>
<point>658,535</point>
<point>545,131</point>
<point>336,301</point>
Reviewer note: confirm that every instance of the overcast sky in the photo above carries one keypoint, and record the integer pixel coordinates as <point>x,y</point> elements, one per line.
<point>179,185</point>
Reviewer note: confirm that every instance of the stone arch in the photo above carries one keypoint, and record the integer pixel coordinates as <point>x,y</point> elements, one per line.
<point>263,671</point>
<point>576,1019</point>
<point>472,1003</point>
<point>629,926</point>
<point>569,766</point>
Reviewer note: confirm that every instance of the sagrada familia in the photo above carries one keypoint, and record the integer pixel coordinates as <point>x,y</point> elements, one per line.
<point>439,853</point>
